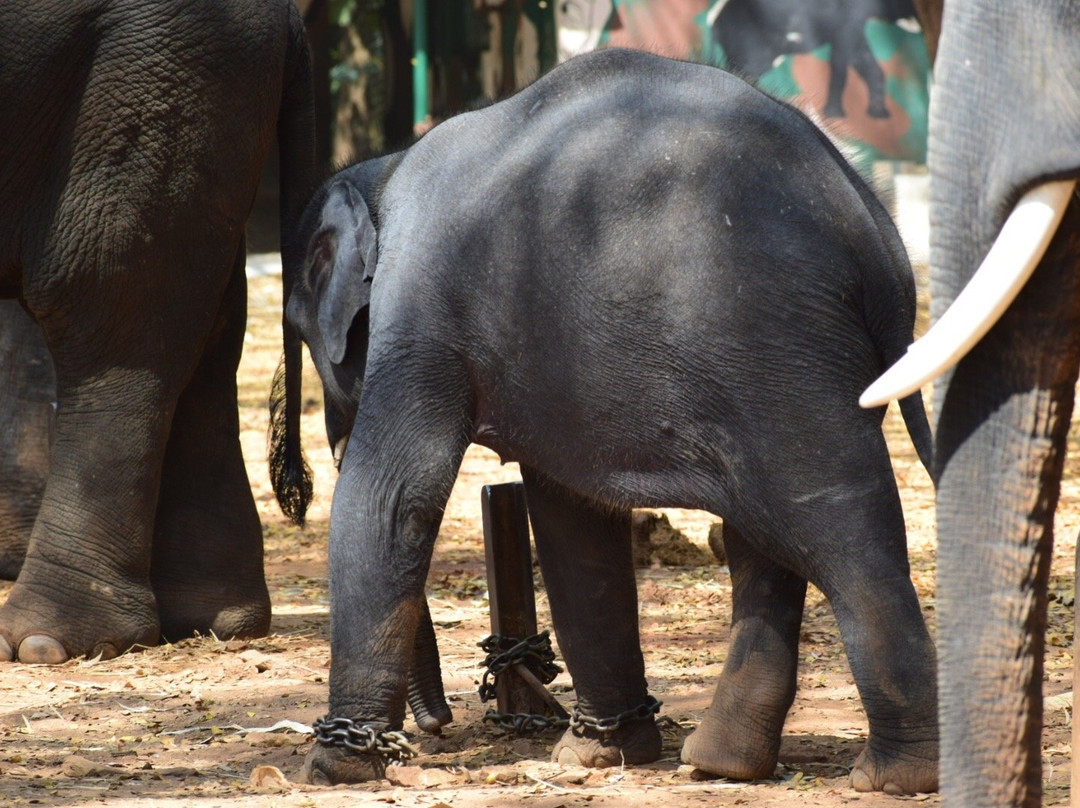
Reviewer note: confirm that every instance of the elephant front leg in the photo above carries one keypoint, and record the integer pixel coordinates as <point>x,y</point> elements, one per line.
<point>387,507</point>
<point>740,734</point>
<point>585,556</point>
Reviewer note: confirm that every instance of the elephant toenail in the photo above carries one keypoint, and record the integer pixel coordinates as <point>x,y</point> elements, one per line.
<point>568,757</point>
<point>42,650</point>
<point>104,650</point>
<point>893,790</point>
<point>6,654</point>
<point>860,781</point>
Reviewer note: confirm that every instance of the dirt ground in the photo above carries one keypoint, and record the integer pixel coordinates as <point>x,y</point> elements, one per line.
<point>187,721</point>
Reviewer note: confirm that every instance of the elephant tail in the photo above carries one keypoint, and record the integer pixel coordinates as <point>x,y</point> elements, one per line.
<point>289,471</point>
<point>918,427</point>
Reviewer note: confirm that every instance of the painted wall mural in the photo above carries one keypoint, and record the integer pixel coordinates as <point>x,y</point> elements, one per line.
<point>859,67</point>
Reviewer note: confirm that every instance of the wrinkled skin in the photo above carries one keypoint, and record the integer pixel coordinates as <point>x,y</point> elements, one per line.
<point>1004,413</point>
<point>131,145</point>
<point>650,285</point>
<point>27,391</point>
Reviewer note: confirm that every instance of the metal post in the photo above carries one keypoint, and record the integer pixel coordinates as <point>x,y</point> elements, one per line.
<point>421,100</point>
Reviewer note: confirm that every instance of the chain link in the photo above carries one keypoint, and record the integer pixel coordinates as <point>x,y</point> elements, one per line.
<point>502,652</point>
<point>647,709</point>
<point>525,723</point>
<point>363,738</point>
<point>537,655</point>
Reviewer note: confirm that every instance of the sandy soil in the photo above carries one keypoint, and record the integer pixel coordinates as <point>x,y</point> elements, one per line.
<point>184,721</point>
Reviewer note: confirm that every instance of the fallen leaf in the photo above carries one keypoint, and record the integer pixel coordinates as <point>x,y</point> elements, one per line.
<point>268,778</point>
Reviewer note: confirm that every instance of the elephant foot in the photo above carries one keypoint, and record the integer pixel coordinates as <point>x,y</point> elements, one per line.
<point>636,742</point>
<point>226,620</point>
<point>329,766</point>
<point>39,631</point>
<point>879,111</point>
<point>753,759</point>
<point>895,774</point>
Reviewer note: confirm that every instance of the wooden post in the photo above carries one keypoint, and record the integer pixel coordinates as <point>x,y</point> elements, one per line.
<point>510,591</point>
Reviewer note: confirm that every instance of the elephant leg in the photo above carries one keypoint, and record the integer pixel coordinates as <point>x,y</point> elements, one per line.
<point>122,355</point>
<point>585,556</point>
<point>889,650</point>
<point>867,67</point>
<point>739,736</point>
<point>84,588</point>
<point>27,390</point>
<point>207,562</point>
<point>839,61</point>
<point>426,697</point>
<point>396,475</point>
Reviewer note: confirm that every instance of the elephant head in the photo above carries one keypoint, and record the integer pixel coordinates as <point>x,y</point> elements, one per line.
<point>1004,154</point>
<point>330,299</point>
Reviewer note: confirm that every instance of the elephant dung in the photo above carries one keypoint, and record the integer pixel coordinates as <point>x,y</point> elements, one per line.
<point>656,541</point>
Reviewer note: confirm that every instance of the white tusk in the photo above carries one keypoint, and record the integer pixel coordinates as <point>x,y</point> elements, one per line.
<point>339,451</point>
<point>1017,251</point>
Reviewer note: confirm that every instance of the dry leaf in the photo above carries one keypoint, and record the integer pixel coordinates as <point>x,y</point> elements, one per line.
<point>269,778</point>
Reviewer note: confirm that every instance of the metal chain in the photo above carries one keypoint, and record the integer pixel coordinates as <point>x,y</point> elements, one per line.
<point>525,723</point>
<point>363,738</point>
<point>647,709</point>
<point>502,652</point>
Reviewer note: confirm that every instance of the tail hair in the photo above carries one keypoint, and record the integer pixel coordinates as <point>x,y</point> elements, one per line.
<point>290,474</point>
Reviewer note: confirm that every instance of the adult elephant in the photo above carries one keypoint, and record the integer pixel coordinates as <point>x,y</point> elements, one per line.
<point>1004,133</point>
<point>500,282</point>
<point>131,145</point>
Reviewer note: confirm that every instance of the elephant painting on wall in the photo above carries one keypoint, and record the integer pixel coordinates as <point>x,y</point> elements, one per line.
<point>755,33</point>
<point>631,336</point>
<point>1004,157</point>
<point>131,144</point>
<point>859,65</point>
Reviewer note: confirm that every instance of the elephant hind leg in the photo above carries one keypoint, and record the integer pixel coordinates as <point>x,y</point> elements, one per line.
<point>207,562</point>
<point>740,734</point>
<point>893,661</point>
<point>585,556</point>
<point>27,390</point>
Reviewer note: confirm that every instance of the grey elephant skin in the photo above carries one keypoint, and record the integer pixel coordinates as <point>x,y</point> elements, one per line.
<point>650,285</point>
<point>27,392</point>
<point>131,145</point>
<point>1004,117</point>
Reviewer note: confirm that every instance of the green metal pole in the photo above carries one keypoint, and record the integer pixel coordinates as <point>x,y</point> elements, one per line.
<point>421,101</point>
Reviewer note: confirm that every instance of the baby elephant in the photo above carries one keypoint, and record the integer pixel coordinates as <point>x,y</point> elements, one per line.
<point>650,285</point>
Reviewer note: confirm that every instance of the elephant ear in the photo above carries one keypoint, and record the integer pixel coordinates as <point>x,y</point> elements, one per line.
<point>346,288</point>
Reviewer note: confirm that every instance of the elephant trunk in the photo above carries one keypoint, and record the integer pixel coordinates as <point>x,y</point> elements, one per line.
<point>1003,413</point>
<point>426,698</point>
